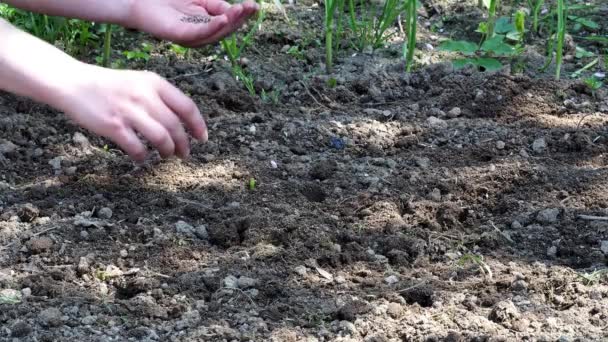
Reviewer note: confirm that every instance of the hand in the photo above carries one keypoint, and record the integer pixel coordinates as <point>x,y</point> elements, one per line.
<point>191,23</point>
<point>118,104</point>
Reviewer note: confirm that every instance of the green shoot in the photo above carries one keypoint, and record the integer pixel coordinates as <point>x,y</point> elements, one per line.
<point>142,54</point>
<point>491,18</point>
<point>411,22</point>
<point>594,277</point>
<point>107,46</point>
<point>476,260</point>
<point>252,183</point>
<point>370,31</point>
<point>535,7</point>
<point>561,36</point>
<point>330,9</point>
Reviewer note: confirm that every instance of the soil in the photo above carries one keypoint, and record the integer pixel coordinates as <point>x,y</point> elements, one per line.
<point>440,205</point>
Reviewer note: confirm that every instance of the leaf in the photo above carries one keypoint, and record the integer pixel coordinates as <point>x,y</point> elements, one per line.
<point>599,39</point>
<point>461,46</point>
<point>497,46</point>
<point>486,3</point>
<point>514,36</point>
<point>489,64</point>
<point>588,23</point>
<point>503,25</point>
<point>582,53</point>
<point>9,296</point>
<point>463,62</point>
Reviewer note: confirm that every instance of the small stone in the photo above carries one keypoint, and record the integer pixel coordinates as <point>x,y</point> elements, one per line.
<point>104,213</point>
<point>39,245</point>
<point>392,279</point>
<point>435,195</point>
<point>437,123</point>
<point>20,329</point>
<point>516,225</point>
<point>539,145</point>
<point>604,247</point>
<point>548,215</point>
<point>28,213</point>
<point>325,274</point>
<point>552,251</point>
<point>348,327</point>
<point>56,163</point>
<point>231,282</point>
<point>81,139</point>
<point>84,235</point>
<point>184,228</point>
<point>26,292</point>
<point>246,282</point>
<point>50,317</point>
<point>454,112</point>
<point>252,129</point>
<point>201,232</point>
<point>340,279</point>
<point>504,311</point>
<point>7,148</point>
<point>88,320</point>
<point>423,162</point>
<point>124,253</point>
<point>395,310</point>
<point>500,145</point>
<point>273,164</point>
<point>301,270</point>
<point>519,285</point>
<point>524,154</point>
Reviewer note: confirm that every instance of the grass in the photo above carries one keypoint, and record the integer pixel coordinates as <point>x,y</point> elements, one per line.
<point>411,23</point>
<point>561,36</point>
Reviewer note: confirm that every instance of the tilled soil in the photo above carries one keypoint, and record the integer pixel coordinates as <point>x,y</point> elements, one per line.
<point>440,205</point>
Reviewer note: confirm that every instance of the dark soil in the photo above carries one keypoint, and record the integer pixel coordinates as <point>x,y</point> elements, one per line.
<point>441,205</point>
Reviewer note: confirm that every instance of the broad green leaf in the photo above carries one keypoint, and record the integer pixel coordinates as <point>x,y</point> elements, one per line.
<point>489,64</point>
<point>497,46</point>
<point>514,36</point>
<point>503,25</point>
<point>461,46</point>
<point>463,62</point>
<point>590,24</point>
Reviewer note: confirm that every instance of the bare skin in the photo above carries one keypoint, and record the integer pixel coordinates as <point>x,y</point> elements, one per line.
<point>112,103</point>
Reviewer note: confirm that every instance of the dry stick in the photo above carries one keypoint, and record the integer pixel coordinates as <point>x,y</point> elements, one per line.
<point>188,75</point>
<point>413,286</point>
<point>311,95</point>
<point>34,235</point>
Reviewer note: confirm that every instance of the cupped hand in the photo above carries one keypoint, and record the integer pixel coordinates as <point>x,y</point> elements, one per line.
<point>119,104</point>
<point>190,23</point>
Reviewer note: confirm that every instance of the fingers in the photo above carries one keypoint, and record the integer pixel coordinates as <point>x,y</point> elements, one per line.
<point>234,15</point>
<point>216,7</point>
<point>190,34</point>
<point>173,125</point>
<point>126,138</point>
<point>185,109</point>
<point>153,131</point>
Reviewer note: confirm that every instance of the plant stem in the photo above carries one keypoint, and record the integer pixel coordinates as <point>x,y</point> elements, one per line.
<point>107,46</point>
<point>561,36</point>
<point>492,18</point>
<point>411,33</point>
<point>330,6</point>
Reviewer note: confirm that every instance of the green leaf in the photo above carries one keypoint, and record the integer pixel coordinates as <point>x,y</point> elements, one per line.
<point>486,3</point>
<point>497,46</point>
<point>461,46</point>
<point>582,53</point>
<point>514,36</point>
<point>463,62</point>
<point>590,24</point>
<point>504,25</point>
<point>489,64</point>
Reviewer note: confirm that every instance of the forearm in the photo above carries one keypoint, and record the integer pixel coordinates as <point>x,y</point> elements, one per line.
<point>106,11</point>
<point>32,68</point>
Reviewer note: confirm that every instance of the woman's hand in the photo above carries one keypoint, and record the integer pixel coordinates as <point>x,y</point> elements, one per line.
<point>120,104</point>
<point>190,23</point>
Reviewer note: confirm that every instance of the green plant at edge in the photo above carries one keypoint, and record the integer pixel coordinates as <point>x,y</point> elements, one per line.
<point>561,36</point>
<point>535,7</point>
<point>411,23</point>
<point>493,5</point>
<point>107,45</point>
<point>330,9</point>
<point>138,54</point>
<point>370,31</point>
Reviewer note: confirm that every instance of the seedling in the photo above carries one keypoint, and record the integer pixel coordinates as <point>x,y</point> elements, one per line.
<point>370,31</point>
<point>411,23</point>
<point>180,50</point>
<point>330,9</point>
<point>107,45</point>
<point>594,277</point>
<point>535,8</point>
<point>142,54</point>
<point>593,84</point>
<point>561,36</point>
<point>476,260</point>
<point>252,183</point>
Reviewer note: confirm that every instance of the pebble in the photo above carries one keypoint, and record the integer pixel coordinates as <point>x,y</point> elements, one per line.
<point>88,320</point>
<point>604,247</point>
<point>84,234</point>
<point>500,145</point>
<point>516,225</point>
<point>552,251</point>
<point>124,253</point>
<point>340,279</point>
<point>539,145</point>
<point>56,163</point>
<point>392,279</point>
<point>246,282</point>
<point>184,228</point>
<point>301,270</point>
<point>423,162</point>
<point>348,327</point>
<point>455,112</point>
<point>28,213</point>
<point>83,265</point>
<point>201,232</point>
<point>8,147</point>
<point>437,123</point>
<point>105,213</point>
<point>26,292</point>
<point>519,285</point>
<point>80,139</point>
<point>112,271</point>
<point>231,282</point>
<point>435,195</point>
<point>70,171</point>
<point>394,310</point>
<point>548,215</point>
<point>40,244</point>
<point>50,317</point>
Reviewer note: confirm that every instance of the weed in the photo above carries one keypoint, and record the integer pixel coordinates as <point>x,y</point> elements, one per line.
<point>561,36</point>
<point>411,23</point>
<point>138,54</point>
<point>330,9</point>
<point>535,7</point>
<point>370,31</point>
<point>594,277</point>
<point>476,260</point>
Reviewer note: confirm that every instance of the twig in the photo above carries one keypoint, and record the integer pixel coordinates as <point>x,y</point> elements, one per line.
<point>413,286</point>
<point>188,75</point>
<point>501,233</point>
<point>593,218</point>
<point>311,95</point>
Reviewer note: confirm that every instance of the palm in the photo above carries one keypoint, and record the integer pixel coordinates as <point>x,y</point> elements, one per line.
<point>190,22</point>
